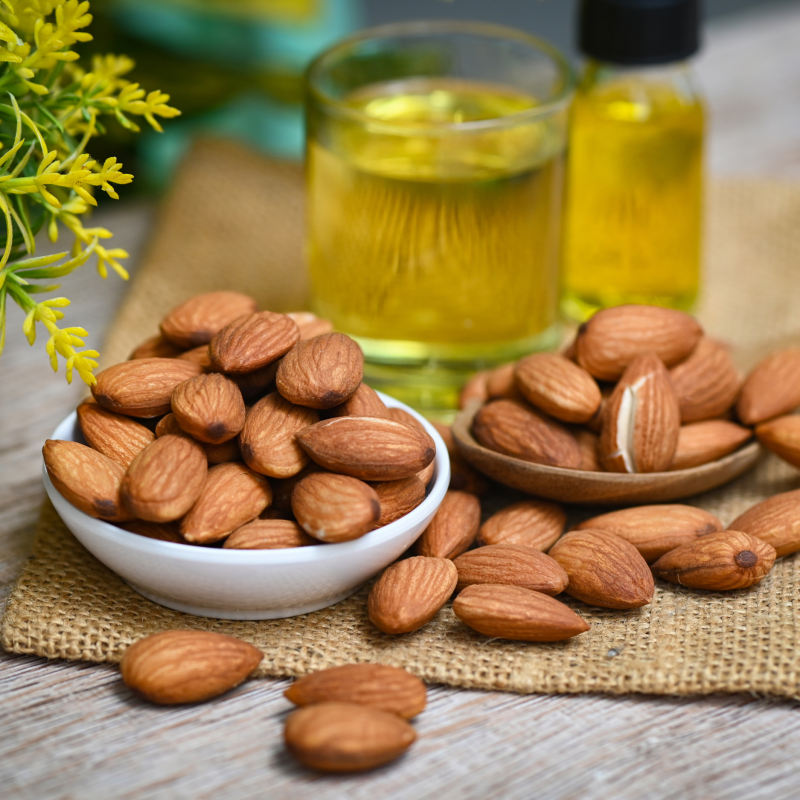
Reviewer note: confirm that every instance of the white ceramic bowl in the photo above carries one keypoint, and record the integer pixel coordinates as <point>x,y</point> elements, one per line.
<point>249,584</point>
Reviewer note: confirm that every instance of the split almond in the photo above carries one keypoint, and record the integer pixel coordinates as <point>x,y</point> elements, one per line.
<point>364,402</point>
<point>253,341</point>
<point>533,523</point>
<point>209,407</point>
<point>268,534</point>
<point>776,520</point>
<point>118,437</point>
<point>782,437</point>
<point>197,320</point>
<point>772,389</point>
<point>397,498</point>
<point>454,527</point>
<point>704,442</point>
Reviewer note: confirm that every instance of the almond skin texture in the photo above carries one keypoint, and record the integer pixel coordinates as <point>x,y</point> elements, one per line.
<point>589,445</point>
<point>268,534</point>
<point>720,561</point>
<point>397,498</point>
<point>604,569</point>
<point>209,407</point>
<point>335,508</point>
<point>156,347</point>
<point>558,387</point>
<point>187,666</point>
<point>706,383</point>
<point>163,531</point>
<point>364,402</point>
<point>500,383</point>
<point>251,342</point>
<point>118,437</point>
<point>511,612</point>
<point>164,481</point>
<point>511,565</point>
<point>772,389</point>
<point>267,440</point>
<point>369,448</point>
<point>232,495</point>
<point>655,530</point>
<point>476,389</point>
<point>533,523</point>
<point>215,453</point>
<point>776,520</point>
<point>87,479</point>
<point>704,442</point>
<point>345,737</point>
<point>508,427</point>
<point>142,388</point>
<point>642,421</point>
<point>197,320</point>
<point>256,384</point>
<point>310,325</point>
<point>321,372</point>
<point>782,437</point>
<point>376,685</point>
<point>410,592</point>
<point>613,337</point>
<point>453,529</point>
<point>401,415</point>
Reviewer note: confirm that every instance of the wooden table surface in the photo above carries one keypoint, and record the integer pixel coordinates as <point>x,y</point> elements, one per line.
<point>73,731</point>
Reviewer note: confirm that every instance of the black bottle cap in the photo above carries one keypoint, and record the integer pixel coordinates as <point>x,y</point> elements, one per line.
<point>639,31</point>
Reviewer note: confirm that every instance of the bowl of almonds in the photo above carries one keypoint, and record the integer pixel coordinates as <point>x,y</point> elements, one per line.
<point>237,467</point>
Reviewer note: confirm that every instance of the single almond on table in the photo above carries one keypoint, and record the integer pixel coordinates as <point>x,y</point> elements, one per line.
<point>604,569</point>
<point>558,387</point>
<point>364,402</point>
<point>321,372</point>
<point>163,531</point>
<point>397,498</point>
<point>453,528</point>
<point>475,390</point>
<point>511,612</point>
<point>310,325</point>
<point>164,481</point>
<point>346,737</point>
<point>231,496</point>
<point>268,534</point>
<point>118,437</point>
<point>642,421</point>
<point>720,561</point>
<point>197,320</point>
<point>776,520</point>
<point>335,508</point>
<point>369,448</point>
<point>253,341</point>
<point>655,530</point>
<point>89,480</point>
<point>782,437</point>
<point>156,347</point>
<point>706,441</point>
<point>187,666</point>
<point>533,523</point>
<point>209,407</point>
<point>410,592</point>
<point>511,565</point>
<point>614,337</point>
<point>142,388</point>
<point>508,427</point>
<point>215,453</point>
<point>267,440</point>
<point>772,389</point>
<point>376,685</point>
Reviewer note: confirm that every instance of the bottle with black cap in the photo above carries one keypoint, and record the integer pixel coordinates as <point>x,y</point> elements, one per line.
<point>634,177</point>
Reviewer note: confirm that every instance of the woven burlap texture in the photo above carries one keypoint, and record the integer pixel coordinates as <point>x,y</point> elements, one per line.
<point>235,221</point>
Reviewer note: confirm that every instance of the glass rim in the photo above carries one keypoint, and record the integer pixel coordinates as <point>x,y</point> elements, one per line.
<point>553,103</point>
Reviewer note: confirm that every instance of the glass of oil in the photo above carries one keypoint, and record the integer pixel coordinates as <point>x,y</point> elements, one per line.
<point>435,164</point>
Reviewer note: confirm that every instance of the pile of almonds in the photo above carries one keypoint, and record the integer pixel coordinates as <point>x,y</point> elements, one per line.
<point>246,427</point>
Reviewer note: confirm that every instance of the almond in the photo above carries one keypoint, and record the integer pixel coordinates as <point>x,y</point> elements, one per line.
<point>511,612</point>
<point>197,320</point>
<point>268,534</point>
<point>453,529</point>
<point>426,475</point>
<point>187,666</point>
<point>376,685</point>
<point>335,508</point>
<point>401,415</point>
<point>364,402</point>
<point>410,592</point>
<point>475,390</point>
<point>604,569</point>
<point>500,383</point>
<point>782,437</point>
<point>163,531</point>
<point>282,488</point>
<point>533,523</point>
<point>345,737</point>
<point>115,436</point>
<point>706,383</point>
<point>215,453</point>
<point>772,389</point>
<point>164,481</point>
<point>156,347</point>
<point>321,372</point>
<point>558,387</point>
<point>397,498</point>
<point>142,388</point>
<point>231,496</point>
<point>310,325</point>
<point>589,444</point>
<point>209,407</point>
<point>267,440</point>
<point>255,384</point>
<point>370,448</point>
<point>87,479</point>
<point>253,341</point>
<point>655,530</point>
<point>642,421</point>
<point>776,520</point>
<point>199,355</point>
<point>508,427</point>
<point>704,442</point>
<point>511,565</point>
<point>720,561</point>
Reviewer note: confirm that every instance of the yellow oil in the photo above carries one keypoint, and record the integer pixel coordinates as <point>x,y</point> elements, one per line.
<point>634,195</point>
<point>436,246</point>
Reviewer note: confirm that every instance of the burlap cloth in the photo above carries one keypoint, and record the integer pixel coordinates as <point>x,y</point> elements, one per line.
<point>234,220</point>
